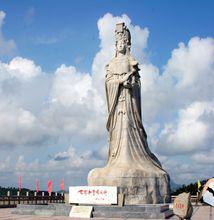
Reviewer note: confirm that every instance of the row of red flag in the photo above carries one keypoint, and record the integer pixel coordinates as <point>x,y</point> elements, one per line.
<point>49,185</point>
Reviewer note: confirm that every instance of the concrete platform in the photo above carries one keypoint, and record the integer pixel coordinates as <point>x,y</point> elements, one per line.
<point>157,211</point>
<point>199,213</point>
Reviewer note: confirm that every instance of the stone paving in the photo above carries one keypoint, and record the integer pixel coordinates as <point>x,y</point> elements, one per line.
<point>199,213</point>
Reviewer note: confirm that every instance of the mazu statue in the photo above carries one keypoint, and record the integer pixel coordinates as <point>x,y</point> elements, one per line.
<point>131,166</point>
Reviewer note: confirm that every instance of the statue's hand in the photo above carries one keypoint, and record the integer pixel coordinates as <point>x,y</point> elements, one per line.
<point>127,84</point>
<point>125,78</point>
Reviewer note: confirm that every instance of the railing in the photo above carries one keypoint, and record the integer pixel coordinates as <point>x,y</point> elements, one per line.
<point>14,200</point>
<point>193,199</point>
<point>45,199</point>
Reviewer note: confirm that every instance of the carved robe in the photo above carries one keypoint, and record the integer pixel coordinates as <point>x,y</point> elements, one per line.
<point>127,138</point>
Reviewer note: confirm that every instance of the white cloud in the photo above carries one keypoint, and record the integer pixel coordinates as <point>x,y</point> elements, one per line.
<point>23,89</point>
<point>182,97</point>
<point>18,73</point>
<point>7,47</point>
<point>66,164</point>
<point>188,77</point>
<point>20,127</point>
<point>183,170</point>
<point>70,86</point>
<point>75,104</point>
<point>192,65</point>
<point>191,131</point>
<point>205,157</point>
<point>5,165</point>
<point>22,68</point>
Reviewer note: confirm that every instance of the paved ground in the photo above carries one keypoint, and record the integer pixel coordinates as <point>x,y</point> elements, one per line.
<point>199,213</point>
<point>203,213</point>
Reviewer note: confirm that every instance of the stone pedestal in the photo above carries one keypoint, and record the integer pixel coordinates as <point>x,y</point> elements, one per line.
<point>138,186</point>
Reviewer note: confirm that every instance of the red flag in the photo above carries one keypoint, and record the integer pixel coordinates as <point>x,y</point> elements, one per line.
<point>37,186</point>
<point>62,186</point>
<point>20,183</point>
<point>49,186</point>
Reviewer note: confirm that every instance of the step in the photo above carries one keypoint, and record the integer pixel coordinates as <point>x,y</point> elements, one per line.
<point>43,210</point>
<point>142,215</point>
<point>134,208</point>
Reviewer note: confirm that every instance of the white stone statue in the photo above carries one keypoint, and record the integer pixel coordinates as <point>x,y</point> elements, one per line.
<point>131,165</point>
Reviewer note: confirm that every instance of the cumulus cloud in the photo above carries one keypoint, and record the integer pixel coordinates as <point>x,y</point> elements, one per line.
<point>19,68</point>
<point>7,47</point>
<point>68,164</point>
<point>20,101</point>
<point>74,105</point>
<point>188,77</point>
<point>20,127</point>
<point>182,97</point>
<point>193,130</point>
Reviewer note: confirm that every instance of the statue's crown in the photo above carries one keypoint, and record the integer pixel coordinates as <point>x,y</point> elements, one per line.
<point>122,33</point>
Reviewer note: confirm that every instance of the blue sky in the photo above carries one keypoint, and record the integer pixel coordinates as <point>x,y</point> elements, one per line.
<point>52,102</point>
<point>52,33</point>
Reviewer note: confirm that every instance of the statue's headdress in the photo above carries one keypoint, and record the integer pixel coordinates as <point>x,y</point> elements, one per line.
<point>122,33</point>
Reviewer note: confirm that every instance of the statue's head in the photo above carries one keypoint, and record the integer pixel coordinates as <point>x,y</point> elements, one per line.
<point>123,39</point>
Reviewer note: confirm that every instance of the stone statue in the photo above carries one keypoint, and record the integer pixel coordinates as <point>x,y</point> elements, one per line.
<point>131,165</point>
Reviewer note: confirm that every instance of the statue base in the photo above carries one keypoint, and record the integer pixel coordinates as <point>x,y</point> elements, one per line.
<point>138,186</point>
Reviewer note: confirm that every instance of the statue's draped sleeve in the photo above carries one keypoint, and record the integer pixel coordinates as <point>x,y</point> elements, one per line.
<point>112,89</point>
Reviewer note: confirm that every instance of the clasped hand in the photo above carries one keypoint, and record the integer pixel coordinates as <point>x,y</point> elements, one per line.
<point>126,80</point>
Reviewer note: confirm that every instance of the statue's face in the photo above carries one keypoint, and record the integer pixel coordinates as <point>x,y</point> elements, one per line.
<point>121,46</point>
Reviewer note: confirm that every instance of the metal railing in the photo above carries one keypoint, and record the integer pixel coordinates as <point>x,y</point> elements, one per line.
<point>36,199</point>
<point>193,199</point>
<point>13,200</point>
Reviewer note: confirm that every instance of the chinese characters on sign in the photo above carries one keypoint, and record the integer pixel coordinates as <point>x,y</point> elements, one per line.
<point>93,194</point>
<point>179,205</point>
<point>182,206</point>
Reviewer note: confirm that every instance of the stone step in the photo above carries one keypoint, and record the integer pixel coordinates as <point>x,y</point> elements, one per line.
<point>43,210</point>
<point>29,206</point>
<point>8,206</point>
<point>145,211</point>
<point>142,215</point>
<point>148,211</point>
<point>168,213</point>
<point>134,208</point>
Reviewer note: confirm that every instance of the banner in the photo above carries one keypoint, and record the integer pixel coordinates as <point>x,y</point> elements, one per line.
<point>49,186</point>
<point>199,186</point>
<point>20,183</point>
<point>62,184</point>
<point>37,186</point>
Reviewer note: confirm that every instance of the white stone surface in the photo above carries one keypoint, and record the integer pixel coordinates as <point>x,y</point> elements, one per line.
<point>93,195</point>
<point>81,211</point>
